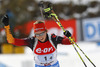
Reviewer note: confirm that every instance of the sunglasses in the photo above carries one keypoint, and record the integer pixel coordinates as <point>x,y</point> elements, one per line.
<point>41,34</point>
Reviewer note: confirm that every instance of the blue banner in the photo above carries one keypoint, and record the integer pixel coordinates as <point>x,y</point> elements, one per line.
<point>91,29</point>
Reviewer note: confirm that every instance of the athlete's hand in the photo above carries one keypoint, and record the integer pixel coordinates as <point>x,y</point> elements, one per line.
<point>5,20</point>
<point>46,14</point>
<point>47,10</point>
<point>49,5</point>
<point>67,33</point>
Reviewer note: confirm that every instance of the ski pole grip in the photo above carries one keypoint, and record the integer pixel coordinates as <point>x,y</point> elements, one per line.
<point>41,4</point>
<point>67,33</point>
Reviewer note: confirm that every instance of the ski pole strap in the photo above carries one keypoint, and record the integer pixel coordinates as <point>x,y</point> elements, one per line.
<point>47,9</point>
<point>53,14</point>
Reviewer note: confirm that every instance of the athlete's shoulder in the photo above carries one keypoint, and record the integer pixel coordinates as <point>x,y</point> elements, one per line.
<point>32,38</point>
<point>56,37</point>
<point>53,35</point>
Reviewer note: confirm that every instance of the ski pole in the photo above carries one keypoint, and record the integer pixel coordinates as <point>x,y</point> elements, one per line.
<point>41,9</point>
<point>58,22</point>
<point>82,51</point>
<point>54,17</point>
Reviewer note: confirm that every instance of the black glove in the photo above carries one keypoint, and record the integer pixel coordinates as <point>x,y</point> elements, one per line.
<point>50,6</point>
<point>46,14</point>
<point>47,10</point>
<point>67,33</point>
<point>5,20</point>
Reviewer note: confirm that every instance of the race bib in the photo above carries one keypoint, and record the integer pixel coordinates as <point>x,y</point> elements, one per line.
<point>45,58</point>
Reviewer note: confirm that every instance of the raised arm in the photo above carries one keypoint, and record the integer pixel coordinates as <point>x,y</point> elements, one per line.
<point>10,38</point>
<point>49,13</point>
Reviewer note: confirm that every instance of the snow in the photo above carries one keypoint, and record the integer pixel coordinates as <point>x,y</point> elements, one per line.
<point>67,56</point>
<point>71,59</point>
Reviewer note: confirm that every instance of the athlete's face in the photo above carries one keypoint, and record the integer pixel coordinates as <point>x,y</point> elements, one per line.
<point>41,35</point>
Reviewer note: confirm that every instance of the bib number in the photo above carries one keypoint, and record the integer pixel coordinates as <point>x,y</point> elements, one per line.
<point>45,58</point>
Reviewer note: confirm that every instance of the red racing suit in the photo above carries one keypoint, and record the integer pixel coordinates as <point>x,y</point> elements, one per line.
<point>45,53</point>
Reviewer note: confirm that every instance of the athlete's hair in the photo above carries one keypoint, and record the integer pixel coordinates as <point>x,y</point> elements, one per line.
<point>39,21</point>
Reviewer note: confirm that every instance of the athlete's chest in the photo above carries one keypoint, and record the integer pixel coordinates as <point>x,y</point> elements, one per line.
<point>44,48</point>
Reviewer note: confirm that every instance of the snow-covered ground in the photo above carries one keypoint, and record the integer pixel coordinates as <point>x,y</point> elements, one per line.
<point>71,59</point>
<point>67,56</point>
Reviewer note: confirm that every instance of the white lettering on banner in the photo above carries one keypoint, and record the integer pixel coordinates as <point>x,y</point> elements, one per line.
<point>59,31</point>
<point>45,50</point>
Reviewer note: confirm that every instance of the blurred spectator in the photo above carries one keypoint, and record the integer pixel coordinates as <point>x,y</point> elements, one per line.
<point>93,9</point>
<point>12,18</point>
<point>2,37</point>
<point>65,10</point>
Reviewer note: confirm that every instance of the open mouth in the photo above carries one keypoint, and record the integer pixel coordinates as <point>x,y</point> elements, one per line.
<point>41,38</point>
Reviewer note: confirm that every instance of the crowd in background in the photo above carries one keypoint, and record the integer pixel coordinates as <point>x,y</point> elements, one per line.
<point>22,11</point>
